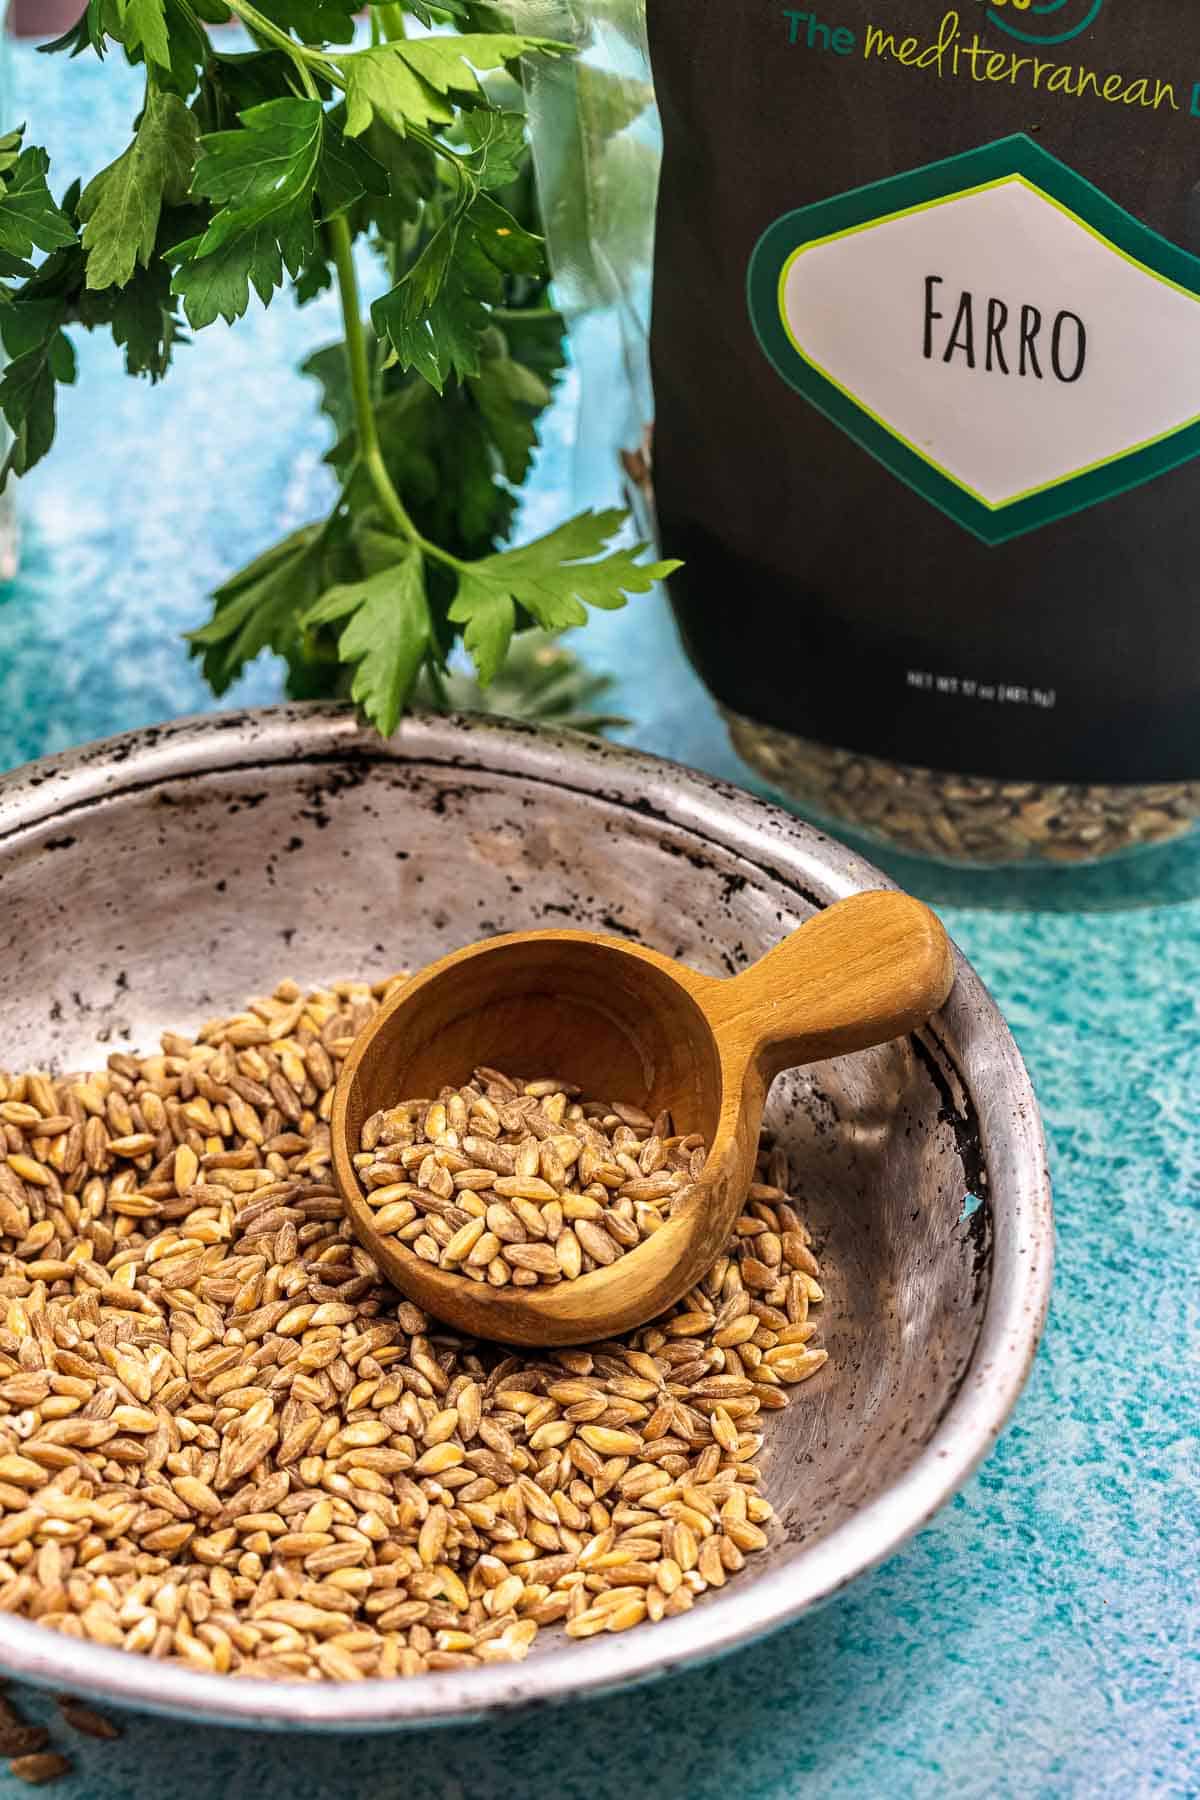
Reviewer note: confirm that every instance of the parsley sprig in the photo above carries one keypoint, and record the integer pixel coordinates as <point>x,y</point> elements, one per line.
<point>248,171</point>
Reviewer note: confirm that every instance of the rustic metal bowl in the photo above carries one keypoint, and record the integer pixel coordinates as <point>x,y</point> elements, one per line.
<point>161,877</point>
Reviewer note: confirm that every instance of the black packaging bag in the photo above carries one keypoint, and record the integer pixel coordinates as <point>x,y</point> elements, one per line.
<point>926,366</point>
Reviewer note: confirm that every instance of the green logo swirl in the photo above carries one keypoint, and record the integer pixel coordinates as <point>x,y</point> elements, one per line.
<point>1045,24</point>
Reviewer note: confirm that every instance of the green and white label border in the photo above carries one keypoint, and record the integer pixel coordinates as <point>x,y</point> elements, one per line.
<point>920,190</point>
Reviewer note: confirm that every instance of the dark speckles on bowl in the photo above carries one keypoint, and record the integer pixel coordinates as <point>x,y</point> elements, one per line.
<point>155,880</point>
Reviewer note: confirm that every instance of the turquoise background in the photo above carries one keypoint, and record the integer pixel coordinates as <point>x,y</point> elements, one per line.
<point>1040,1637</point>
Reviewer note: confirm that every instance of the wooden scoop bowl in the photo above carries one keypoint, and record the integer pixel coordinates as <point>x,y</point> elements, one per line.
<point>627,1024</point>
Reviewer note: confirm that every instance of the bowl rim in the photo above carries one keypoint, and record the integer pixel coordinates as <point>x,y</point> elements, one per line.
<point>820,870</point>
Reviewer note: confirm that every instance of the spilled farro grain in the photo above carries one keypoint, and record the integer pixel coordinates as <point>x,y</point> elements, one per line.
<point>17,1736</point>
<point>40,1767</point>
<point>86,1721</point>
<point>225,1442</point>
<point>506,1180</point>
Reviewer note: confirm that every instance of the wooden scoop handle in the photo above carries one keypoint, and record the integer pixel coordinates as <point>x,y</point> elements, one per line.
<point>870,968</point>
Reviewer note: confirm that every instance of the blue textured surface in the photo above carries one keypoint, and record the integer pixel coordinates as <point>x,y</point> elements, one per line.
<point>1040,1637</point>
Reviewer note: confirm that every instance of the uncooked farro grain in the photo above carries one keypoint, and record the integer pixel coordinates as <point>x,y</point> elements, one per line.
<point>87,1722</point>
<point>225,1442</point>
<point>507,1180</point>
<point>17,1736</point>
<point>40,1767</point>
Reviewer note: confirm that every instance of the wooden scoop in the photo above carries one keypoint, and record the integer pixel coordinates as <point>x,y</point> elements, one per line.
<point>626,1024</point>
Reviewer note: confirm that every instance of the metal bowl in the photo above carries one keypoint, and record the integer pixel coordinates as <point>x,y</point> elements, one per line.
<point>158,878</point>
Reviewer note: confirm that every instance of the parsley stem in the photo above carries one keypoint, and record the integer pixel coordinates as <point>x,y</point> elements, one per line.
<point>518,315</point>
<point>391,18</point>
<point>306,81</point>
<point>360,384</point>
<point>266,28</point>
<point>436,682</point>
<point>419,135</point>
<point>388,27</point>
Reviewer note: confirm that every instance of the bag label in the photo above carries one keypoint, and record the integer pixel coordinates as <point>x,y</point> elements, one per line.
<point>995,330</point>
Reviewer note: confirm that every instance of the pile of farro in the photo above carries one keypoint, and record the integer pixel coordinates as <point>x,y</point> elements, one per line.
<point>507,1180</point>
<point>223,1441</point>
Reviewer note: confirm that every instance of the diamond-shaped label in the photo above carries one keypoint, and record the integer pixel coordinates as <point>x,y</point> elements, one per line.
<point>1005,338</point>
